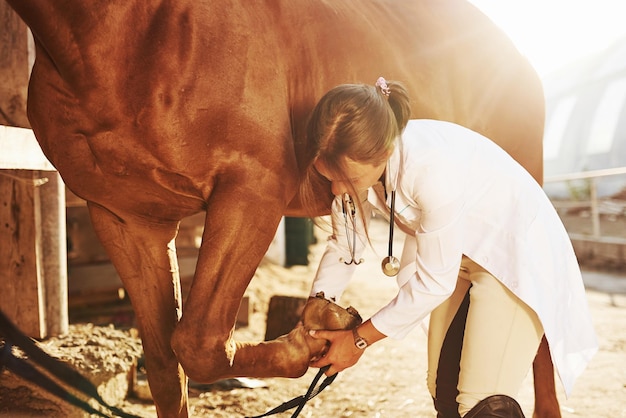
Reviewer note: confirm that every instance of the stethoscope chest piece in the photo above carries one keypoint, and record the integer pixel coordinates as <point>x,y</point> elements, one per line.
<point>390,266</point>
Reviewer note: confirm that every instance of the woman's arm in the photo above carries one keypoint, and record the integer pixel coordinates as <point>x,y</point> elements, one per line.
<point>333,274</point>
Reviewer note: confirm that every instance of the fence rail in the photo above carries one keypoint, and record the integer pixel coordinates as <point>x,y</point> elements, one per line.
<point>615,207</point>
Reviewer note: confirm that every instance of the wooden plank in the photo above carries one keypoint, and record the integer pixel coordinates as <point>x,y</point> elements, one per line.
<point>19,149</point>
<point>21,298</point>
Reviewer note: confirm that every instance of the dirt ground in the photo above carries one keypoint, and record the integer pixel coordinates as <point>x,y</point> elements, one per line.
<point>389,380</point>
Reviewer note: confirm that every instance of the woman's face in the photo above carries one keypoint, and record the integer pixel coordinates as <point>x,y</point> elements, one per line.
<point>361,175</point>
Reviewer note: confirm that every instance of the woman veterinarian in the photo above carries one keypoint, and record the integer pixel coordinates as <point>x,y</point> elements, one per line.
<point>475,220</point>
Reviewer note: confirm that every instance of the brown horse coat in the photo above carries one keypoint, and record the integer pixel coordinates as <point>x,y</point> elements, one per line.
<point>154,110</point>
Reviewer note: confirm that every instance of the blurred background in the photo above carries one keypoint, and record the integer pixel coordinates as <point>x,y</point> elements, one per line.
<point>578,47</point>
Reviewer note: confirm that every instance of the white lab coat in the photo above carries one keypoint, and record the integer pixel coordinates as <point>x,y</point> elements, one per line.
<point>463,195</point>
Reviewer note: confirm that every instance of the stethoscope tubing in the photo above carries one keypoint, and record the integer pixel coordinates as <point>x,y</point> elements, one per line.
<point>390,264</point>
<point>392,219</point>
<point>349,211</point>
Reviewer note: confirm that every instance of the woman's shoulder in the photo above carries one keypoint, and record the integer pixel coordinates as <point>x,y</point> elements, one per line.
<point>437,127</point>
<point>423,135</point>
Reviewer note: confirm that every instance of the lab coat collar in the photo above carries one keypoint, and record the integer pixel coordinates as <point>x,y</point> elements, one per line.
<point>392,171</point>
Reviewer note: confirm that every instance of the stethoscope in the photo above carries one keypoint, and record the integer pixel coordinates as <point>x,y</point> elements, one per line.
<point>390,264</point>
<point>349,215</point>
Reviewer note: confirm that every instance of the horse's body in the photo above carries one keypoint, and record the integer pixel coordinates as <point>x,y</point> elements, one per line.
<point>156,110</point>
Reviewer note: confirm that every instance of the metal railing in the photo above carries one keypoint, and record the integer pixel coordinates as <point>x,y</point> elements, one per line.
<point>594,204</point>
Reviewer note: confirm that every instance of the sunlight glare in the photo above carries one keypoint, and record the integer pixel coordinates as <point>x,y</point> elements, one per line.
<point>554,33</point>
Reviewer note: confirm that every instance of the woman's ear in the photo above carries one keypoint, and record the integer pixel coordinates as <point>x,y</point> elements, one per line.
<point>320,167</point>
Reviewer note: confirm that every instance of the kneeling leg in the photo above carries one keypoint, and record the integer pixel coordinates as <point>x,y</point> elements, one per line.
<point>496,406</point>
<point>501,339</point>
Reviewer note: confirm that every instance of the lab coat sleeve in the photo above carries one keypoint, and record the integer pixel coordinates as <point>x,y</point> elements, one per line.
<point>333,274</point>
<point>432,277</point>
<point>431,261</point>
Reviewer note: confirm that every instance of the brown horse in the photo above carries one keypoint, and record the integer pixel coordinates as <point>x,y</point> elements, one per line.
<point>154,110</point>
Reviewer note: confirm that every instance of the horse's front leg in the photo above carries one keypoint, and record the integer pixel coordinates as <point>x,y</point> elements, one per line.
<point>240,224</point>
<point>144,255</point>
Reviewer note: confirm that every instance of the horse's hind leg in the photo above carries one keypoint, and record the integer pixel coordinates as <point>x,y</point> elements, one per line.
<point>144,255</point>
<point>546,402</point>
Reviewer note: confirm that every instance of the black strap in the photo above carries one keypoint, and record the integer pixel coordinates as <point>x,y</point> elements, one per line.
<point>301,400</point>
<point>66,374</point>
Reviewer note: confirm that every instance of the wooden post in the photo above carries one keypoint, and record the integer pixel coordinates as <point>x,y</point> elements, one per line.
<point>15,64</point>
<point>21,298</point>
<point>33,255</point>
<point>283,315</point>
<point>54,253</point>
<point>33,249</point>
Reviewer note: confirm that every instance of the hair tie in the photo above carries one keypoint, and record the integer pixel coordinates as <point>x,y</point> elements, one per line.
<point>382,84</point>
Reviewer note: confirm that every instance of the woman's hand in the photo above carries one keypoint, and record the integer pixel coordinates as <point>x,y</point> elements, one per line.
<point>342,352</point>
